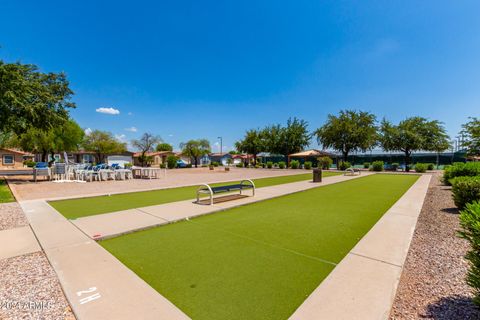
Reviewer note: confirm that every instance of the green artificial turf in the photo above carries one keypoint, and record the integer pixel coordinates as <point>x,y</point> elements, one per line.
<point>5,193</point>
<point>258,261</point>
<point>83,207</point>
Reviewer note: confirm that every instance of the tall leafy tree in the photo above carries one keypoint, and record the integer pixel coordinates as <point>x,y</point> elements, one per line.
<point>411,135</point>
<point>292,138</point>
<point>146,144</point>
<point>32,99</point>
<point>164,147</point>
<point>252,143</point>
<point>67,137</point>
<point>471,133</point>
<point>350,131</point>
<point>195,149</point>
<point>103,143</point>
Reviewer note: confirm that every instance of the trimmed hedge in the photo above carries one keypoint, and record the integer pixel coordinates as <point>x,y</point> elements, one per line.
<point>420,167</point>
<point>281,165</point>
<point>307,165</point>
<point>344,165</point>
<point>366,165</point>
<point>470,223</point>
<point>377,166</point>
<point>325,162</point>
<point>294,164</point>
<point>460,169</point>
<point>465,190</point>
<point>269,164</point>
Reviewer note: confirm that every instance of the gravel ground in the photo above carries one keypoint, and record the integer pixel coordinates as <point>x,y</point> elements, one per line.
<point>30,289</point>
<point>11,216</point>
<point>433,285</point>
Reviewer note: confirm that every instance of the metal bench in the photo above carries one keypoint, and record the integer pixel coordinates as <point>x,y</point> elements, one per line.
<point>206,189</point>
<point>352,172</point>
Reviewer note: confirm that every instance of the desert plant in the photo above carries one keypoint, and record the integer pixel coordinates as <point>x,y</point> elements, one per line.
<point>377,166</point>
<point>307,165</point>
<point>420,167</point>
<point>294,164</point>
<point>325,162</point>
<point>465,190</point>
<point>171,162</point>
<point>470,223</point>
<point>281,164</point>
<point>460,169</point>
<point>366,165</point>
<point>269,164</point>
<point>344,165</point>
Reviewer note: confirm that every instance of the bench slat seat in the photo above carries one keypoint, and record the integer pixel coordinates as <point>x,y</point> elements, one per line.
<point>206,189</point>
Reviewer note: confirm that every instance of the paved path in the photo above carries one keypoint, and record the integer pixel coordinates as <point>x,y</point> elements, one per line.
<point>17,241</point>
<point>96,284</point>
<point>363,284</point>
<point>113,224</point>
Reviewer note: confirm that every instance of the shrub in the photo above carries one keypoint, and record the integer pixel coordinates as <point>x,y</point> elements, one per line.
<point>269,164</point>
<point>214,163</point>
<point>430,166</point>
<point>465,190</point>
<point>127,165</point>
<point>239,165</point>
<point>344,165</point>
<point>281,165</point>
<point>307,165</point>
<point>29,163</point>
<point>377,166</point>
<point>470,223</point>
<point>366,165</point>
<point>395,166</point>
<point>171,162</point>
<point>189,165</point>
<point>460,169</point>
<point>294,164</point>
<point>325,162</point>
<point>420,167</point>
<point>162,165</point>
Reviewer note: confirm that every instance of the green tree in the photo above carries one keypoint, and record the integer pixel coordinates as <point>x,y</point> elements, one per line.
<point>471,133</point>
<point>103,143</point>
<point>195,149</point>
<point>67,137</point>
<point>349,131</point>
<point>252,143</point>
<point>292,138</point>
<point>413,134</point>
<point>145,144</point>
<point>32,99</point>
<point>164,147</point>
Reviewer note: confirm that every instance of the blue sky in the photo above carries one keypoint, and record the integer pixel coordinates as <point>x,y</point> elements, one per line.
<point>203,69</point>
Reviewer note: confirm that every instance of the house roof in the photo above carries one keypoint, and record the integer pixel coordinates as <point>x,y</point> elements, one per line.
<point>218,154</point>
<point>151,154</point>
<point>17,151</point>
<point>310,153</point>
<point>242,156</point>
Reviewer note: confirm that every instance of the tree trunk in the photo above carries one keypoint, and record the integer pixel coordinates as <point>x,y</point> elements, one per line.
<point>44,156</point>
<point>255,159</point>
<point>407,161</point>
<point>196,161</point>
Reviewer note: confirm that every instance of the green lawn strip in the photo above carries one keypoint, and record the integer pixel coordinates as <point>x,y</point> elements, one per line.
<point>83,207</point>
<point>258,261</point>
<point>5,193</point>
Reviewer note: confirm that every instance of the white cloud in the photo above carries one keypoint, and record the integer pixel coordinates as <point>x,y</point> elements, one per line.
<point>131,129</point>
<point>121,137</point>
<point>130,113</point>
<point>170,135</point>
<point>111,111</point>
<point>88,131</point>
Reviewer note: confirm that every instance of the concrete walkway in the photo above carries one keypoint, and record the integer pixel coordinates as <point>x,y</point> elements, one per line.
<point>363,284</point>
<point>17,242</point>
<point>96,284</point>
<point>113,224</point>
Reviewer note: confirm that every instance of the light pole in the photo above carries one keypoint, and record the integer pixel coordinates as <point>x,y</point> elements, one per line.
<point>221,144</point>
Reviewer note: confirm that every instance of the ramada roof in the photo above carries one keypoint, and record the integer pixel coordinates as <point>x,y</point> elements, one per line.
<point>17,151</point>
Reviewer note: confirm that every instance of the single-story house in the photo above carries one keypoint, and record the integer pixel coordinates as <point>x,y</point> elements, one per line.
<point>13,158</point>
<point>220,157</point>
<point>158,157</point>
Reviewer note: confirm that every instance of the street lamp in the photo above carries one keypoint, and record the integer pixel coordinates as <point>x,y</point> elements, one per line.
<point>221,144</point>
